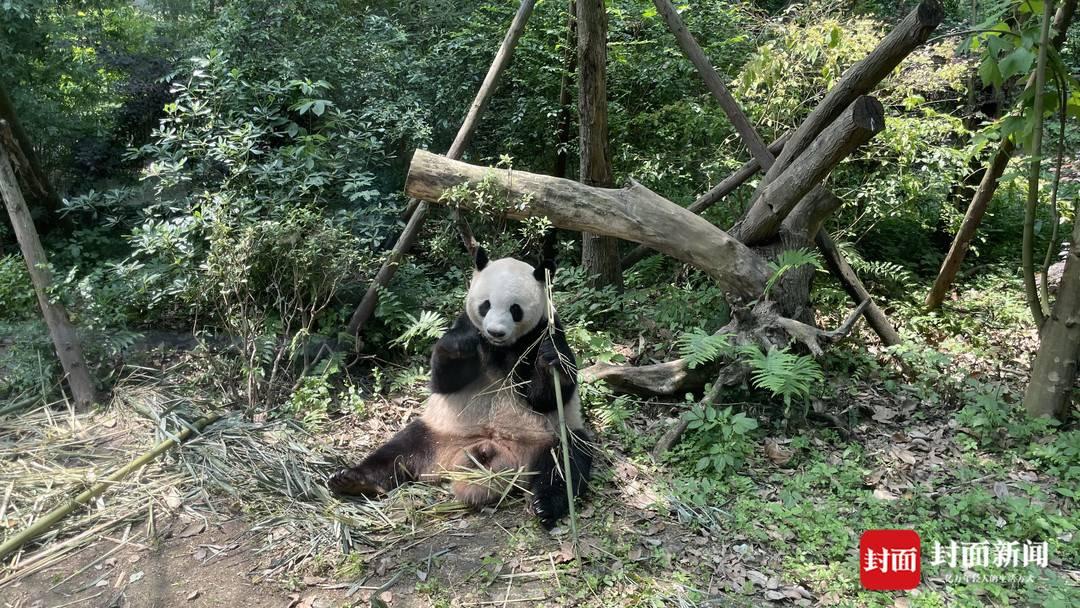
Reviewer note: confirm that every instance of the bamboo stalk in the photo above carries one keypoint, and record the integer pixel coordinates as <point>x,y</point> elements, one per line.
<point>562,424</point>
<point>46,522</point>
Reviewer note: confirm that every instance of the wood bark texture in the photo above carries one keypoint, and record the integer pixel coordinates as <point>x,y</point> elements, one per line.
<point>63,334</point>
<point>634,213</point>
<point>34,176</point>
<point>1053,374</point>
<point>839,267</point>
<point>863,119</point>
<point>599,253</point>
<point>972,218</point>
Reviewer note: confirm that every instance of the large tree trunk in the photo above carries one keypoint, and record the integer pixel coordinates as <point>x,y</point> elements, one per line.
<point>417,210</point>
<point>61,331</point>
<point>634,214</point>
<point>599,254</point>
<point>1053,373</point>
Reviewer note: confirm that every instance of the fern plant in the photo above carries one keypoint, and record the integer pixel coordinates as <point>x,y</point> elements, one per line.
<point>699,347</point>
<point>428,327</point>
<point>782,373</point>
<point>788,260</point>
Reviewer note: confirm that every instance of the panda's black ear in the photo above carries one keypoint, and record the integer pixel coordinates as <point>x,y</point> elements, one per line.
<point>549,265</point>
<point>481,258</point>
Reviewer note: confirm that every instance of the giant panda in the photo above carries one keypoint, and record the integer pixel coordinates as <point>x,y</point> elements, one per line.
<point>492,402</point>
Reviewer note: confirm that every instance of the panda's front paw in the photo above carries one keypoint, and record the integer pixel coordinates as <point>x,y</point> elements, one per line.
<point>354,482</point>
<point>547,356</point>
<point>461,346</point>
<point>550,506</point>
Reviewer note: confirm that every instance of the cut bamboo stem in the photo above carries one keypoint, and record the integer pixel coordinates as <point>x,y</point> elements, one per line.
<point>53,517</point>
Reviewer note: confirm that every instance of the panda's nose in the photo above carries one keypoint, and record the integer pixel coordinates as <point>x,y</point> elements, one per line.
<point>496,333</point>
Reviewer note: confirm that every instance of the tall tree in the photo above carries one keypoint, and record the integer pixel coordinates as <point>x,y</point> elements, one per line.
<point>599,254</point>
<point>1053,373</point>
<point>980,201</point>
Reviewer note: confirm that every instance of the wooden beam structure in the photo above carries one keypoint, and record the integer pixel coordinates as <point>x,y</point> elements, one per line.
<point>634,213</point>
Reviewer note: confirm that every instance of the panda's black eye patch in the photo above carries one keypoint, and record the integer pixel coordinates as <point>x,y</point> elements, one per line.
<point>516,313</point>
<point>485,307</point>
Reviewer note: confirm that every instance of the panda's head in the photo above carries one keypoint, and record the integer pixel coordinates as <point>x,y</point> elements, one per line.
<point>506,298</point>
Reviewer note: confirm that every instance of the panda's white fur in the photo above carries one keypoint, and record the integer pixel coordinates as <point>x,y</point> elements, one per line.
<point>490,411</point>
<point>503,283</point>
<point>486,421</point>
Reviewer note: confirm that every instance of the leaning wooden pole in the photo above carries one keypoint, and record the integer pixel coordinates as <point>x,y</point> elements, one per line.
<point>950,266</point>
<point>405,242</point>
<point>61,330</point>
<point>861,78</point>
<point>839,267</point>
<point>765,157</point>
<point>713,82</point>
<point>863,119</point>
<point>50,519</point>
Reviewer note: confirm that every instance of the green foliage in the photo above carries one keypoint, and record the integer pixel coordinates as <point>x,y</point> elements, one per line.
<point>425,330</point>
<point>720,440</point>
<point>789,260</point>
<point>699,348</point>
<point>783,373</point>
<point>17,300</point>
<point>310,402</point>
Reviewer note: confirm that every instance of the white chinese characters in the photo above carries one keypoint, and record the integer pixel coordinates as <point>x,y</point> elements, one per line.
<point>1001,554</point>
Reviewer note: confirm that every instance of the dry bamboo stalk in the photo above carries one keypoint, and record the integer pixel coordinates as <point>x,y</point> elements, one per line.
<point>56,515</point>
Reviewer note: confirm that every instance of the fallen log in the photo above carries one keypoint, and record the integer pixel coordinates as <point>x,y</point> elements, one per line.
<point>633,213</point>
<point>717,192</point>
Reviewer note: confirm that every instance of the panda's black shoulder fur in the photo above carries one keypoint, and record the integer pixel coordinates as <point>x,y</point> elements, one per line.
<point>461,355</point>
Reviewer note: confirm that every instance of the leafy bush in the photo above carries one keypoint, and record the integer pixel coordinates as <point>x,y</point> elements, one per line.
<point>17,299</point>
<point>719,439</point>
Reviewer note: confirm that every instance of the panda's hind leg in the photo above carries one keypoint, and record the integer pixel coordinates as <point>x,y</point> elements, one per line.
<point>549,501</point>
<point>406,457</point>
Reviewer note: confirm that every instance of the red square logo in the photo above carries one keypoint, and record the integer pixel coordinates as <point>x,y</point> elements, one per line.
<point>890,560</point>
